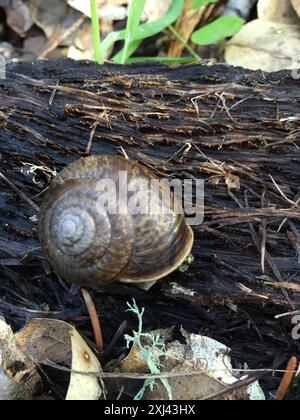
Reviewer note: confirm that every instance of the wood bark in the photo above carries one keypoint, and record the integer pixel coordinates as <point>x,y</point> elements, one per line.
<point>236,129</point>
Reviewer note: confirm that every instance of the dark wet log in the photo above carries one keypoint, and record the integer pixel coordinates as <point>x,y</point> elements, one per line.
<point>238,130</point>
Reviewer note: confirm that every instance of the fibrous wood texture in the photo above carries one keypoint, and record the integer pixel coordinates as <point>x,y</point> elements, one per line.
<point>238,130</point>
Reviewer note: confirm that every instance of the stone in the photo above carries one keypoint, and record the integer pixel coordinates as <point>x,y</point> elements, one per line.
<point>296,6</point>
<point>268,46</point>
<point>280,11</point>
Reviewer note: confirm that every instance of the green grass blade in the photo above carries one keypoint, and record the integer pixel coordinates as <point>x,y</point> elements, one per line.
<point>199,3</point>
<point>132,47</point>
<point>134,17</point>
<point>96,32</point>
<point>145,30</point>
<point>186,45</point>
<point>178,60</point>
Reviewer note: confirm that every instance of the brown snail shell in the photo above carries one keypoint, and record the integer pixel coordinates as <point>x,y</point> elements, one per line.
<point>91,247</point>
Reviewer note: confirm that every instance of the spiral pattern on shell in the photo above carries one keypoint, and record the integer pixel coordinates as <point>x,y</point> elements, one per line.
<point>90,246</point>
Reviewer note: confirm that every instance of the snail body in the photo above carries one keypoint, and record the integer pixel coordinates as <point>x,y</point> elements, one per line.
<point>91,246</point>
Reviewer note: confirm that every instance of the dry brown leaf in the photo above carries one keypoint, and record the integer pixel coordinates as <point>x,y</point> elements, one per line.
<point>233,182</point>
<point>82,47</point>
<point>208,357</point>
<point>46,339</point>
<point>108,9</point>
<point>283,284</point>
<point>111,10</point>
<point>56,341</point>
<point>58,21</point>
<point>33,47</point>
<point>48,15</point>
<point>18,15</point>
<point>18,378</point>
<point>185,26</point>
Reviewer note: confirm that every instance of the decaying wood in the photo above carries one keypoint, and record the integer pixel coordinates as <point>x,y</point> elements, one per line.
<point>238,130</point>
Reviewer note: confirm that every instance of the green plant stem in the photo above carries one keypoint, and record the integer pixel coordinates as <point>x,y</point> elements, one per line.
<point>178,60</point>
<point>125,51</point>
<point>186,45</point>
<point>136,8</point>
<point>96,32</point>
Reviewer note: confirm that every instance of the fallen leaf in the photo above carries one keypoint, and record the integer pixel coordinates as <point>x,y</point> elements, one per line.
<point>207,358</point>
<point>111,10</point>
<point>185,26</point>
<point>83,387</point>
<point>46,339</point>
<point>108,9</point>
<point>18,16</point>
<point>56,341</point>
<point>18,377</point>
<point>48,15</point>
<point>233,182</point>
<point>33,46</point>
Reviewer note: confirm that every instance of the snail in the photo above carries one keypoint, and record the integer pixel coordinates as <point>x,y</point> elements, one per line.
<point>90,245</point>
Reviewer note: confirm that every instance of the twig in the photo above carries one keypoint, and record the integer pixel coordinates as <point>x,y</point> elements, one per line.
<point>287,314</point>
<point>142,376</point>
<point>183,42</point>
<point>282,193</point>
<point>267,256</point>
<point>263,235</point>
<point>94,319</point>
<point>287,379</point>
<point>20,193</point>
<point>119,333</point>
<point>52,96</point>
<point>124,153</point>
<point>286,219</point>
<point>186,148</point>
<point>231,388</point>
<point>92,135</point>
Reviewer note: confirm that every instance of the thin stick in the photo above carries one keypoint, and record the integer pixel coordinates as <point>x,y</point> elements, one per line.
<point>119,333</point>
<point>117,375</point>
<point>287,379</point>
<point>184,43</point>
<point>282,193</point>
<point>20,193</point>
<point>92,135</point>
<point>94,319</point>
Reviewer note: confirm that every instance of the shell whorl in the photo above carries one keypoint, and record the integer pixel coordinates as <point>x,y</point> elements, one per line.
<point>89,246</point>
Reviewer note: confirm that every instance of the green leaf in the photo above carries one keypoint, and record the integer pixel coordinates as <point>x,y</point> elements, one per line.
<point>132,47</point>
<point>199,3</point>
<point>147,29</point>
<point>218,30</point>
<point>134,17</point>
<point>178,60</point>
